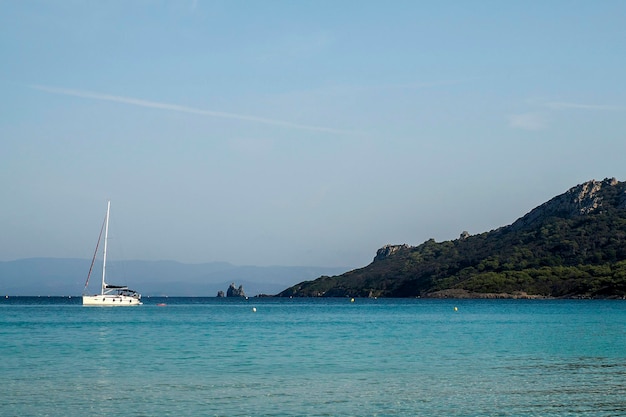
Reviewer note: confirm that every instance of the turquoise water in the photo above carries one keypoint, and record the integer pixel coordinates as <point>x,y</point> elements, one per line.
<point>310,357</point>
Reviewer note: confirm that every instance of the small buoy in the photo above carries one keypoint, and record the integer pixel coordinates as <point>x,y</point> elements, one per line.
<point>254,309</point>
<point>352,300</point>
<point>161,305</point>
<point>456,309</point>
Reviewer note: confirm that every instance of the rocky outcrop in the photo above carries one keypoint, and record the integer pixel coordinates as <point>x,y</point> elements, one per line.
<point>388,250</point>
<point>580,200</point>
<point>220,294</point>
<point>235,292</point>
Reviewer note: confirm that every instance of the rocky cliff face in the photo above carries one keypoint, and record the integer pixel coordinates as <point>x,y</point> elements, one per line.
<point>590,197</point>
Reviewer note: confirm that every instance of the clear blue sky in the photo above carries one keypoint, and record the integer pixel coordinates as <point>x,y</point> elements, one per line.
<point>298,132</point>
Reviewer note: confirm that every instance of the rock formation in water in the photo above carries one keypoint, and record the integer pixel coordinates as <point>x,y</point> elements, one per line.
<point>235,292</point>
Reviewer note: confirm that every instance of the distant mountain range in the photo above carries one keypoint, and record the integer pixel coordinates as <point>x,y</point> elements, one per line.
<point>574,245</point>
<point>52,276</point>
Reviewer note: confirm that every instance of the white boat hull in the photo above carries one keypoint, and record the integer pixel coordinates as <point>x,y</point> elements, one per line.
<point>110,300</point>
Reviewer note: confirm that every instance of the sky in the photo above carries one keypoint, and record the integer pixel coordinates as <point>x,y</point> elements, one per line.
<point>297,132</point>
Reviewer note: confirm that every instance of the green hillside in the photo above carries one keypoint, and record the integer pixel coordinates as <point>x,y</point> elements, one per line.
<point>571,246</point>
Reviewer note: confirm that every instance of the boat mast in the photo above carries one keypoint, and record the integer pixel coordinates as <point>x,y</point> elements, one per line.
<point>104,255</point>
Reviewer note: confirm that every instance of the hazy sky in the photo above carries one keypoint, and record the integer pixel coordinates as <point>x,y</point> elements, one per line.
<point>298,132</point>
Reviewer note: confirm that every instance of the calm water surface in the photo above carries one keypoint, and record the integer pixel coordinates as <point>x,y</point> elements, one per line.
<point>310,357</point>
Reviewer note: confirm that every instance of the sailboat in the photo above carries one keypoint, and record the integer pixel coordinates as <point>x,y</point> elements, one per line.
<point>110,295</point>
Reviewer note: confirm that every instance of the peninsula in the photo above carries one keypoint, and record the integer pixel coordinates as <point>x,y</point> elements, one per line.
<point>572,246</point>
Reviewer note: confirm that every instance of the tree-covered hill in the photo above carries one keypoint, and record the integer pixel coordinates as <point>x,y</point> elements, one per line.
<point>571,246</point>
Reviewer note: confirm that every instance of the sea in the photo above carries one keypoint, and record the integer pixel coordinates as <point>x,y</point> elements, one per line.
<point>312,357</point>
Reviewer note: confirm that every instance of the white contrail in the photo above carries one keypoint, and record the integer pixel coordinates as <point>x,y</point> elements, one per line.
<point>183,109</point>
